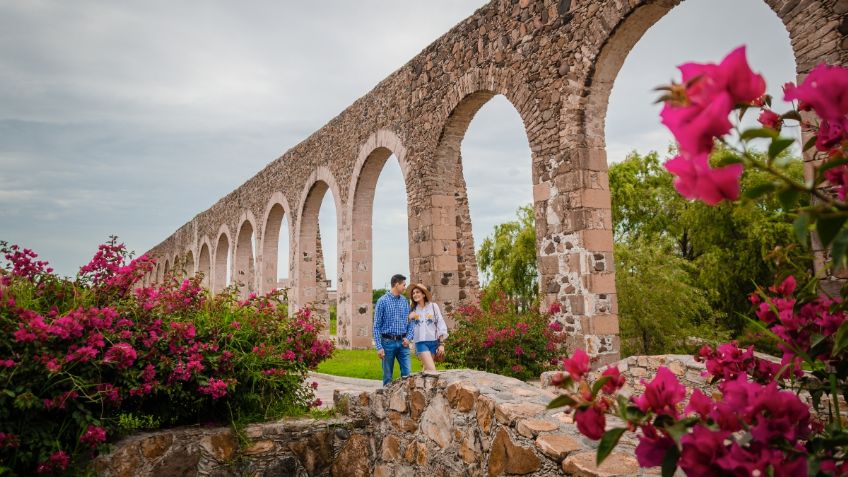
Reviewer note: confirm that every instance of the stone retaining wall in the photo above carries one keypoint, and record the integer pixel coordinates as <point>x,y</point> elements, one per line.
<point>293,447</point>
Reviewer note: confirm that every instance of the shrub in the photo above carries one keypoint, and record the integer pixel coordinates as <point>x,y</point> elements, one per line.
<point>84,360</point>
<point>501,340</point>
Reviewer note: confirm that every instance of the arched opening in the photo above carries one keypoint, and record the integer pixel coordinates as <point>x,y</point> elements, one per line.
<point>495,164</point>
<point>245,270</point>
<point>222,262</point>
<point>650,45</point>
<point>204,265</point>
<point>379,236</point>
<point>166,269</point>
<point>498,151</point>
<point>275,249</point>
<point>317,256</point>
<point>622,128</point>
<point>188,265</point>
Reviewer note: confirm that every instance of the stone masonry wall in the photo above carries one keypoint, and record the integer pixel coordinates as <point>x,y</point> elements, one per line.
<point>296,447</point>
<point>555,61</point>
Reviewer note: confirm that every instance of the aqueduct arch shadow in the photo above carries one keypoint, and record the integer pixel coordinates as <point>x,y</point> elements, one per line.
<point>244,264</point>
<point>222,260</point>
<point>276,211</point>
<point>204,263</point>
<point>310,272</point>
<point>449,157</point>
<point>188,267</point>
<point>354,322</point>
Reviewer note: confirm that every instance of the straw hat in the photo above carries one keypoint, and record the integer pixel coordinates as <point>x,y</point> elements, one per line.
<point>423,289</point>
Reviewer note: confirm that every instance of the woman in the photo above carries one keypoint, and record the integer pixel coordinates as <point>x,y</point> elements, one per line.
<point>429,328</point>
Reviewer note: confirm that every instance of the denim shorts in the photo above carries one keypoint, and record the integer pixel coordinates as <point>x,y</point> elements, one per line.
<point>428,346</point>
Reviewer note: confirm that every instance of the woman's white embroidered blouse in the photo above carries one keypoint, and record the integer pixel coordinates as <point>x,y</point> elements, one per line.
<point>428,323</point>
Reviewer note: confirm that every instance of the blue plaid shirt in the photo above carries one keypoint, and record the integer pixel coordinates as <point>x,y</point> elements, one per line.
<point>391,317</point>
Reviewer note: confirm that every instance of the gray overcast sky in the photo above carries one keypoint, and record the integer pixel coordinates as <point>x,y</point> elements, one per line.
<point>129,118</point>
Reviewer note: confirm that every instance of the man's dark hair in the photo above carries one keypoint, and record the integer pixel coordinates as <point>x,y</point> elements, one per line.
<point>397,279</point>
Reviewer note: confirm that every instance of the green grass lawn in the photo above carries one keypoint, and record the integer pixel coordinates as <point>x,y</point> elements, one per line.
<point>361,363</point>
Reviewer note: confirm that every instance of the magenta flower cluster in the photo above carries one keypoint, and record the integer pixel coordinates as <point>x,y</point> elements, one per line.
<point>75,355</point>
<point>757,423</point>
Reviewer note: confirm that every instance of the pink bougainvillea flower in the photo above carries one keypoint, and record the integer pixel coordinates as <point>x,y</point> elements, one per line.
<point>591,422</point>
<point>700,449</point>
<point>699,403</point>
<point>616,380</point>
<point>695,179</point>
<point>824,90</point>
<point>93,436</point>
<point>577,365</point>
<point>695,126</point>
<point>770,119</point>
<point>122,354</point>
<point>662,394</point>
<point>60,460</point>
<point>732,76</point>
<point>779,415</point>
<point>652,447</point>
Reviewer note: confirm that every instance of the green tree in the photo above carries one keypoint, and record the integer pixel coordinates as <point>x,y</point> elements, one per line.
<point>660,308</point>
<point>376,294</point>
<point>507,259</point>
<point>726,249</point>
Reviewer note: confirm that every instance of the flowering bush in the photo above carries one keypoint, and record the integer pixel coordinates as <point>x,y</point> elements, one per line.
<point>758,424</point>
<point>81,359</point>
<point>501,340</point>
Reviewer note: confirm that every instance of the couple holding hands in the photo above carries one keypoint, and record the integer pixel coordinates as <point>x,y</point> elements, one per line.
<point>397,323</point>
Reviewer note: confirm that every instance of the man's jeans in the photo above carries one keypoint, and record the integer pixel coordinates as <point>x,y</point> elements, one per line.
<point>394,349</point>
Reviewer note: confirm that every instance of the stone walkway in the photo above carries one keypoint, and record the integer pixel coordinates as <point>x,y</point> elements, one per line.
<point>328,383</point>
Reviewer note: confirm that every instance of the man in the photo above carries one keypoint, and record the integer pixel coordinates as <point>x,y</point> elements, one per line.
<point>392,329</point>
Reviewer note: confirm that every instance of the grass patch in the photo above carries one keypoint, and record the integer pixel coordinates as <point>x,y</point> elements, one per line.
<point>362,363</point>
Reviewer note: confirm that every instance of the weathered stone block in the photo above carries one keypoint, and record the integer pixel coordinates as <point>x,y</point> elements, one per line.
<point>506,456</point>
<point>557,446</point>
<point>616,465</point>
<point>354,458</point>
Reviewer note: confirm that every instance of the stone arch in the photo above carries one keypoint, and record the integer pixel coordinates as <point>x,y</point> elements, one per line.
<point>189,267</point>
<point>355,323</point>
<point>222,255</point>
<point>309,291</point>
<point>204,262</point>
<point>276,210</point>
<point>244,263</point>
<point>632,23</point>
<point>166,269</point>
<point>453,264</point>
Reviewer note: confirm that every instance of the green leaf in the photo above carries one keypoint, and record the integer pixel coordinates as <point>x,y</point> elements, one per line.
<point>759,190</point>
<point>802,227</point>
<point>749,134</point>
<point>810,143</point>
<point>839,248</point>
<point>828,228</point>
<point>669,463</point>
<point>608,443</point>
<point>562,400</point>
<point>788,198</point>
<point>728,159</point>
<point>779,145</point>
<point>681,427</point>
<point>840,341</point>
<point>599,384</point>
<point>791,115</point>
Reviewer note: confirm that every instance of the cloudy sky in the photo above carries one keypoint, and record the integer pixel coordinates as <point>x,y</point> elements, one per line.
<point>129,118</point>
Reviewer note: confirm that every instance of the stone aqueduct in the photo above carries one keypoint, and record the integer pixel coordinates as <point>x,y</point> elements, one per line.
<point>555,61</point>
